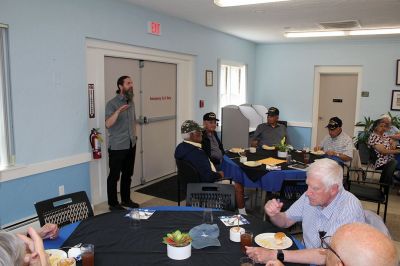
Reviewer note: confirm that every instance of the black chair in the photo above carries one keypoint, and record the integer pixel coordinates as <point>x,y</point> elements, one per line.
<point>211,195</point>
<point>291,190</point>
<point>186,174</point>
<point>64,209</point>
<point>371,191</point>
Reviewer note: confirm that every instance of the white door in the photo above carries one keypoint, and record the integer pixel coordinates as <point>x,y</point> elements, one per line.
<point>154,86</point>
<point>158,85</point>
<point>337,97</point>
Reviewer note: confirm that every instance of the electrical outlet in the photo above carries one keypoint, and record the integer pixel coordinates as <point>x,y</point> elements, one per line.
<point>61,190</point>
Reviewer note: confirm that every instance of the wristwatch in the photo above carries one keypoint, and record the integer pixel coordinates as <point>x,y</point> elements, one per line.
<point>280,256</point>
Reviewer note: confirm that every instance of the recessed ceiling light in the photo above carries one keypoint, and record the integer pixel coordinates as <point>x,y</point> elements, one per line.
<point>227,3</point>
<point>307,34</point>
<point>313,34</point>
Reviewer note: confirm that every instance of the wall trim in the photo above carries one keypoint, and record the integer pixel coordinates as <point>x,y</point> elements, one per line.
<point>299,124</point>
<point>20,171</point>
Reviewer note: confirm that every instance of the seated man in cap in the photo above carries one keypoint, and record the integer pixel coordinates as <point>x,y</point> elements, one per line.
<point>190,150</point>
<point>338,145</point>
<point>210,142</point>
<point>270,133</point>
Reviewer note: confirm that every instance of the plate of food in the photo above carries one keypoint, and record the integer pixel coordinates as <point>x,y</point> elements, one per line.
<point>67,262</point>
<point>55,256</point>
<point>277,240</point>
<point>252,163</point>
<point>268,148</point>
<point>236,150</point>
<point>319,152</point>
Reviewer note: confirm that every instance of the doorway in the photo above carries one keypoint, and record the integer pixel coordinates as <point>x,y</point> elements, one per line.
<point>336,93</point>
<point>155,104</point>
<point>182,65</point>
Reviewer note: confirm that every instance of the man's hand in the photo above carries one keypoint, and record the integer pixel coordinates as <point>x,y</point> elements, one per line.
<point>273,207</point>
<point>48,231</point>
<point>123,108</point>
<point>35,255</point>
<point>317,148</point>
<point>261,255</point>
<point>274,263</point>
<point>221,173</point>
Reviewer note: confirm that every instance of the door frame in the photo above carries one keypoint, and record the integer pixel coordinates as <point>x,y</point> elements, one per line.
<point>96,50</point>
<point>318,71</point>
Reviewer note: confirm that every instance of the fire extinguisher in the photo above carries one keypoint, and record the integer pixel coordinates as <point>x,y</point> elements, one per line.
<point>95,142</point>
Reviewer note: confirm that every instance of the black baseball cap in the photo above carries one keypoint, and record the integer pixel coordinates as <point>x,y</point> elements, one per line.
<point>334,122</point>
<point>210,117</point>
<point>272,111</point>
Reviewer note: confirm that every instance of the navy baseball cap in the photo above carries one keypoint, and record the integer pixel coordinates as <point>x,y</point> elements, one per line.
<point>210,117</point>
<point>273,111</point>
<point>334,122</point>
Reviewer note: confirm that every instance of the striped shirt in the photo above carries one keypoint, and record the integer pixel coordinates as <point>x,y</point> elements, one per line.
<point>340,144</point>
<point>344,209</point>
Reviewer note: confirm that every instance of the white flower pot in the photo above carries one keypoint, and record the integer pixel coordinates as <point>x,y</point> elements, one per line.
<point>282,154</point>
<point>179,253</point>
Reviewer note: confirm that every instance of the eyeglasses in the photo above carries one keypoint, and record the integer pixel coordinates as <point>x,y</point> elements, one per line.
<point>325,245</point>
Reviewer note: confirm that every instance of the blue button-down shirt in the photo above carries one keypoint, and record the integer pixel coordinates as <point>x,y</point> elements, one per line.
<point>344,209</point>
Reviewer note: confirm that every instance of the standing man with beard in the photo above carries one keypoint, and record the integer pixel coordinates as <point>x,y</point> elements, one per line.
<point>120,122</point>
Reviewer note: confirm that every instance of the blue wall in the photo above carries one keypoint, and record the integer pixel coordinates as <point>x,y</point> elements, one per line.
<point>18,196</point>
<point>48,78</point>
<point>285,74</point>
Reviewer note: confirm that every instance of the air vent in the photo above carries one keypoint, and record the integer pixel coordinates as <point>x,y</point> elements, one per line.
<point>340,25</point>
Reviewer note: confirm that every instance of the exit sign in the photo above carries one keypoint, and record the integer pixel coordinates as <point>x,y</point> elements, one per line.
<point>154,28</point>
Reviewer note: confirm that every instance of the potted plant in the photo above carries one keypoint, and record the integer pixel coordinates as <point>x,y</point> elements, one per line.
<point>179,245</point>
<point>283,148</point>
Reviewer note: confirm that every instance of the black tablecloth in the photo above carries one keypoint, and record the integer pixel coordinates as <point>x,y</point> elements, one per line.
<point>118,244</point>
<point>255,173</point>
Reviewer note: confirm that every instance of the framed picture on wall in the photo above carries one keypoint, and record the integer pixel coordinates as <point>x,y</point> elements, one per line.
<point>398,72</point>
<point>395,106</point>
<point>209,78</point>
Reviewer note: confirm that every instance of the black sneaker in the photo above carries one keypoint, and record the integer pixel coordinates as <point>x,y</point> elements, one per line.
<point>116,208</point>
<point>130,204</point>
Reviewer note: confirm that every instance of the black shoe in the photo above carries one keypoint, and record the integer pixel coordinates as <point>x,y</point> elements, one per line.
<point>130,204</point>
<point>116,208</point>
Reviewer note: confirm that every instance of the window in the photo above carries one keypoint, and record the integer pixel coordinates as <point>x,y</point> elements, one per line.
<point>6,136</point>
<point>232,84</point>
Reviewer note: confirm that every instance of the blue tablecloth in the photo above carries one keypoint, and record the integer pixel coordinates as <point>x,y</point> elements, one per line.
<point>271,181</point>
<point>64,233</point>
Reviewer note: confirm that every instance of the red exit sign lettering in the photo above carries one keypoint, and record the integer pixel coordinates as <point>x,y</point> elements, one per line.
<point>154,28</point>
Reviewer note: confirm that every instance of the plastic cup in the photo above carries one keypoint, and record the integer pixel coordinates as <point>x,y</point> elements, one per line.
<point>87,254</point>
<point>246,240</point>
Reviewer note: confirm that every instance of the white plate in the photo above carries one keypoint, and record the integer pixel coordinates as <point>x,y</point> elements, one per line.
<point>317,152</point>
<point>55,255</point>
<point>236,150</point>
<point>268,148</point>
<point>252,163</point>
<point>267,240</point>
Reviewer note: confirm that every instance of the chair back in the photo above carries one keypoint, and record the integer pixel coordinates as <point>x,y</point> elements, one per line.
<point>372,156</point>
<point>64,209</point>
<point>291,190</point>
<point>186,172</point>
<point>211,195</point>
<point>376,221</point>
